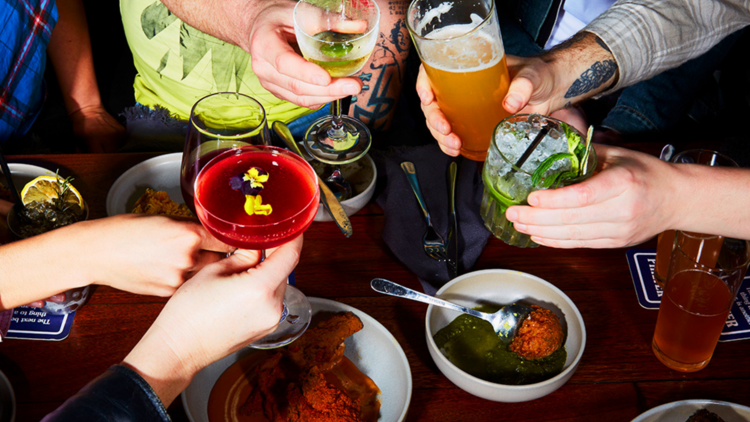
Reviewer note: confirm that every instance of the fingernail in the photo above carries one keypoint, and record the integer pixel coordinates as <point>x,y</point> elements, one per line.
<point>520,227</point>
<point>511,214</point>
<point>422,96</point>
<point>320,80</point>
<point>351,90</point>
<point>512,103</point>
<point>533,200</point>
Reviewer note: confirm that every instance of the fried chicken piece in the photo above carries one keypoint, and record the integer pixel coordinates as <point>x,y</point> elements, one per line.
<point>158,203</point>
<point>703,415</point>
<point>540,335</point>
<point>319,401</point>
<point>323,345</point>
<point>292,386</point>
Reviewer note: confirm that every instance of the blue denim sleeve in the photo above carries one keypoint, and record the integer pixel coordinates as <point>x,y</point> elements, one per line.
<point>119,394</point>
<point>658,103</point>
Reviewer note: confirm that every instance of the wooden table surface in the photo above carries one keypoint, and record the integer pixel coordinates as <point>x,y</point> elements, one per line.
<point>618,377</point>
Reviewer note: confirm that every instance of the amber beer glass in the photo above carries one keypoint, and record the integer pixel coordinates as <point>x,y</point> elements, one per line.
<point>696,302</point>
<point>462,51</point>
<point>701,248</point>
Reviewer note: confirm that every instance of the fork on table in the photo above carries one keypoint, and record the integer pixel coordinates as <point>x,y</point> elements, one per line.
<point>433,243</point>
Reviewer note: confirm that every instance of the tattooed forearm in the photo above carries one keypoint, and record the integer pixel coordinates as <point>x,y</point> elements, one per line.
<point>602,44</point>
<point>593,78</point>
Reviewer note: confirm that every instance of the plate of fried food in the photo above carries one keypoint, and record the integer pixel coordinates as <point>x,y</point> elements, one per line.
<point>346,366</point>
<point>696,411</point>
<point>150,187</point>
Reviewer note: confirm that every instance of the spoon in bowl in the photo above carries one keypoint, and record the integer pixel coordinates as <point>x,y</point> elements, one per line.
<point>505,322</point>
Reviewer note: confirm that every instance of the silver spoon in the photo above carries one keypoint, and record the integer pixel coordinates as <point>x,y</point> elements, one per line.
<point>505,322</point>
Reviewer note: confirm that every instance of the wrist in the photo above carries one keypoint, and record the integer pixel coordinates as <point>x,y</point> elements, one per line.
<point>160,365</point>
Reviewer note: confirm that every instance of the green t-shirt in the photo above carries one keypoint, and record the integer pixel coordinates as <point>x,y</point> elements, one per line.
<point>178,64</point>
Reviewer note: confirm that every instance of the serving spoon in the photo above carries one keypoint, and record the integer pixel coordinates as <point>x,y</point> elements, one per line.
<point>505,322</point>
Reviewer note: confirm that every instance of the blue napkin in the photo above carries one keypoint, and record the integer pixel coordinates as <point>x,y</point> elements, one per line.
<point>404,222</point>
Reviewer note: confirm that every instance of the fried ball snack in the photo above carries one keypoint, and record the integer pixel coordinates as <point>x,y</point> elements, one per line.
<point>312,381</point>
<point>703,415</point>
<point>158,203</point>
<point>539,336</point>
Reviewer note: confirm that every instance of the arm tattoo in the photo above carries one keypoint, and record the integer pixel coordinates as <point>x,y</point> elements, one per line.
<point>386,69</point>
<point>592,78</point>
<point>602,44</point>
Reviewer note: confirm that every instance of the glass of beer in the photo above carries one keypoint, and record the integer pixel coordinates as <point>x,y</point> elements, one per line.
<point>462,52</point>
<point>696,301</point>
<point>665,241</point>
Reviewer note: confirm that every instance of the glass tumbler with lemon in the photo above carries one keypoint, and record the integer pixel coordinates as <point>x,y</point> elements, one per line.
<point>51,202</point>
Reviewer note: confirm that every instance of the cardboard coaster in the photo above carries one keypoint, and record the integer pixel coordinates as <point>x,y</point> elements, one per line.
<point>34,324</point>
<point>641,262</point>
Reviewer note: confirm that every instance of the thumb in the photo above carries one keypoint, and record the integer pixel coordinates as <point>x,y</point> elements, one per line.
<point>280,262</point>
<point>241,260</point>
<point>520,91</point>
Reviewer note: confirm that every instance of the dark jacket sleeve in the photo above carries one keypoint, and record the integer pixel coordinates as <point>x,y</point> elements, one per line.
<point>118,395</point>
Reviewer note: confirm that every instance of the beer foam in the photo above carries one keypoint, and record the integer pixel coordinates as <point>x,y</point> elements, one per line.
<point>452,31</point>
<point>461,54</point>
<point>431,14</point>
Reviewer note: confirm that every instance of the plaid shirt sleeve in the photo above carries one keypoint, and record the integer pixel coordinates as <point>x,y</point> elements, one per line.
<point>648,37</point>
<point>25,29</point>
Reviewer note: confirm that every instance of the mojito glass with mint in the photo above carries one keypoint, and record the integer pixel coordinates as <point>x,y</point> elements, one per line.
<point>563,157</point>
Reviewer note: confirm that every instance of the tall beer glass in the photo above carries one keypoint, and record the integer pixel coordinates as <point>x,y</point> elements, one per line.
<point>697,299</point>
<point>462,51</point>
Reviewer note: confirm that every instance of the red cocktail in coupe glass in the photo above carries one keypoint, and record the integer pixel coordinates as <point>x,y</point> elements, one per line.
<point>291,190</point>
<point>259,197</point>
<point>219,122</point>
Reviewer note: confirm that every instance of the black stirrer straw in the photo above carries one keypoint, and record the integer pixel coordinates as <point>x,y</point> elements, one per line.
<point>18,206</point>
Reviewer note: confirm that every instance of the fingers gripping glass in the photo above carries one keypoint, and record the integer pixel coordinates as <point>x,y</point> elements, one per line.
<point>339,36</point>
<point>247,194</point>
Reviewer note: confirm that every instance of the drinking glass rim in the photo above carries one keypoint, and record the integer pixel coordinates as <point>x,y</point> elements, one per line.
<point>592,155</point>
<point>365,35</point>
<point>709,151</point>
<point>271,150</point>
<point>413,31</point>
<point>242,135</point>
<point>712,270</point>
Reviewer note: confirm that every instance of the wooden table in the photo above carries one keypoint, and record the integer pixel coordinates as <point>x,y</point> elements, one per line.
<point>618,377</point>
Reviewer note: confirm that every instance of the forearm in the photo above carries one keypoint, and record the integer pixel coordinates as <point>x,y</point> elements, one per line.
<point>154,360</point>
<point>39,267</point>
<point>712,200</point>
<point>228,20</point>
<point>647,37</point>
<point>70,53</point>
<point>582,67</point>
<point>383,75</point>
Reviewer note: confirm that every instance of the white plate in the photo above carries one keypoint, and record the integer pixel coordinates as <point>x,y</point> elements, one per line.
<point>158,173</point>
<point>373,349</point>
<point>680,411</point>
<point>7,397</point>
<point>24,173</point>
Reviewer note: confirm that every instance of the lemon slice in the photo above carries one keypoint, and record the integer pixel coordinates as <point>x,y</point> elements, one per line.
<point>45,189</point>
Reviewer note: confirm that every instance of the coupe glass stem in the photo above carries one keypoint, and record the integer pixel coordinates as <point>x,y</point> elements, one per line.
<point>336,131</point>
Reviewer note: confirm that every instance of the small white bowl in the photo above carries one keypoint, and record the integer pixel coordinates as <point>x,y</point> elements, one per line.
<point>501,287</point>
<point>362,175</point>
<point>159,173</point>
<point>24,173</point>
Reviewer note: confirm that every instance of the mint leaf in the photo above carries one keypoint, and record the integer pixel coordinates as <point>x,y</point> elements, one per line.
<point>546,164</point>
